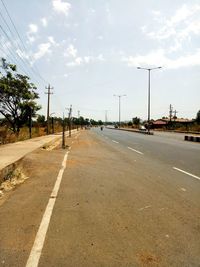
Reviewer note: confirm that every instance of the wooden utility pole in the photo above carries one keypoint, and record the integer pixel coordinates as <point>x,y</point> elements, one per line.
<point>48,104</point>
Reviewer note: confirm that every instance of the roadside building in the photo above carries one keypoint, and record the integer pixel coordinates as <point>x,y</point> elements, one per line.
<point>175,123</point>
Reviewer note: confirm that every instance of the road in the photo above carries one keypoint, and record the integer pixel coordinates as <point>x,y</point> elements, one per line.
<point>166,148</point>
<point>120,203</point>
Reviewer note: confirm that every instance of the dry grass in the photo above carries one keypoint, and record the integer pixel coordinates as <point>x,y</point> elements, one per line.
<point>7,136</point>
<point>17,177</point>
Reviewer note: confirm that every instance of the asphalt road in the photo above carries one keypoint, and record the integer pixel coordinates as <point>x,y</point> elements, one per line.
<point>120,203</point>
<point>166,148</point>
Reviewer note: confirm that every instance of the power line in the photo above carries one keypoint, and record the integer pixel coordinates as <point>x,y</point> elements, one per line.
<point>35,71</point>
<point>6,46</point>
<point>21,58</point>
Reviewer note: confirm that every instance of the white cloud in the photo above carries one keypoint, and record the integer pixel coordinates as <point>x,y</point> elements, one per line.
<point>43,49</point>
<point>159,57</point>
<point>31,39</point>
<point>100,58</point>
<point>61,6</point>
<point>77,62</point>
<point>32,32</point>
<point>85,60</point>
<point>181,25</point>
<point>71,51</point>
<point>44,22</point>
<point>52,41</point>
<point>100,37</point>
<point>33,28</point>
<point>92,10</point>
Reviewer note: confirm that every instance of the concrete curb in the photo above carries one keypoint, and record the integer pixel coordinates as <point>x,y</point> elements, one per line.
<point>7,170</point>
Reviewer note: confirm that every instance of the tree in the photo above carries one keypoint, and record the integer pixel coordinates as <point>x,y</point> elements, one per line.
<point>17,97</point>
<point>198,117</point>
<point>100,122</point>
<point>41,120</point>
<point>136,121</point>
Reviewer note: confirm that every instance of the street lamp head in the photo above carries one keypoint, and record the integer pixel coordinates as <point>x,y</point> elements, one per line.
<point>138,67</point>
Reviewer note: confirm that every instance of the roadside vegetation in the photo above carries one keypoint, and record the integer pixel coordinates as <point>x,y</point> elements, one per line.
<point>19,118</point>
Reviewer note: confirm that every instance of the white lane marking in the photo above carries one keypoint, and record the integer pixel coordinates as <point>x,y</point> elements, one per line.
<point>135,150</point>
<point>146,207</point>
<point>36,250</point>
<point>115,142</point>
<point>190,174</point>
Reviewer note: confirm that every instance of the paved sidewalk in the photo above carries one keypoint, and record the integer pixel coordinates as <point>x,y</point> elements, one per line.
<point>11,153</point>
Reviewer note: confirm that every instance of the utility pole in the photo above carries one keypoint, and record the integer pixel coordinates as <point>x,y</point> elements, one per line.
<point>69,118</point>
<point>170,112</point>
<point>30,122</point>
<point>48,104</point>
<point>63,132</point>
<point>78,114</point>
<point>175,112</point>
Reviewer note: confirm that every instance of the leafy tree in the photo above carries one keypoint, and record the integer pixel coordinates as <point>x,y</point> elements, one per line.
<point>17,97</point>
<point>41,120</point>
<point>136,121</point>
<point>93,122</point>
<point>87,121</point>
<point>198,117</point>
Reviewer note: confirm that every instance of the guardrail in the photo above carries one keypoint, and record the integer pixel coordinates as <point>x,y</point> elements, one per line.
<point>192,138</point>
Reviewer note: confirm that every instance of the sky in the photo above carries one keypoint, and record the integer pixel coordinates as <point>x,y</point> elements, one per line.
<point>89,51</point>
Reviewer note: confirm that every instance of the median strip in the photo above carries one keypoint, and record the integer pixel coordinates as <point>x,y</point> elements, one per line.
<point>135,150</point>
<point>190,174</point>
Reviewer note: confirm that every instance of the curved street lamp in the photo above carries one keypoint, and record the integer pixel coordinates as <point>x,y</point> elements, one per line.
<point>149,90</point>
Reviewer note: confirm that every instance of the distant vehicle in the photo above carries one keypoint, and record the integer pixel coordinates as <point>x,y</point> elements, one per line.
<point>142,128</point>
<point>116,126</point>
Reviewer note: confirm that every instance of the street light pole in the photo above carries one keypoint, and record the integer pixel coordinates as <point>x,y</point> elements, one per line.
<point>149,92</point>
<point>119,107</point>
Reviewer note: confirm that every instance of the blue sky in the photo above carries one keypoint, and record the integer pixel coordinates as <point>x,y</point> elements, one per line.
<point>89,50</point>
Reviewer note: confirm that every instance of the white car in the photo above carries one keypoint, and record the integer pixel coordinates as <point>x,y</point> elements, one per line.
<point>142,128</point>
